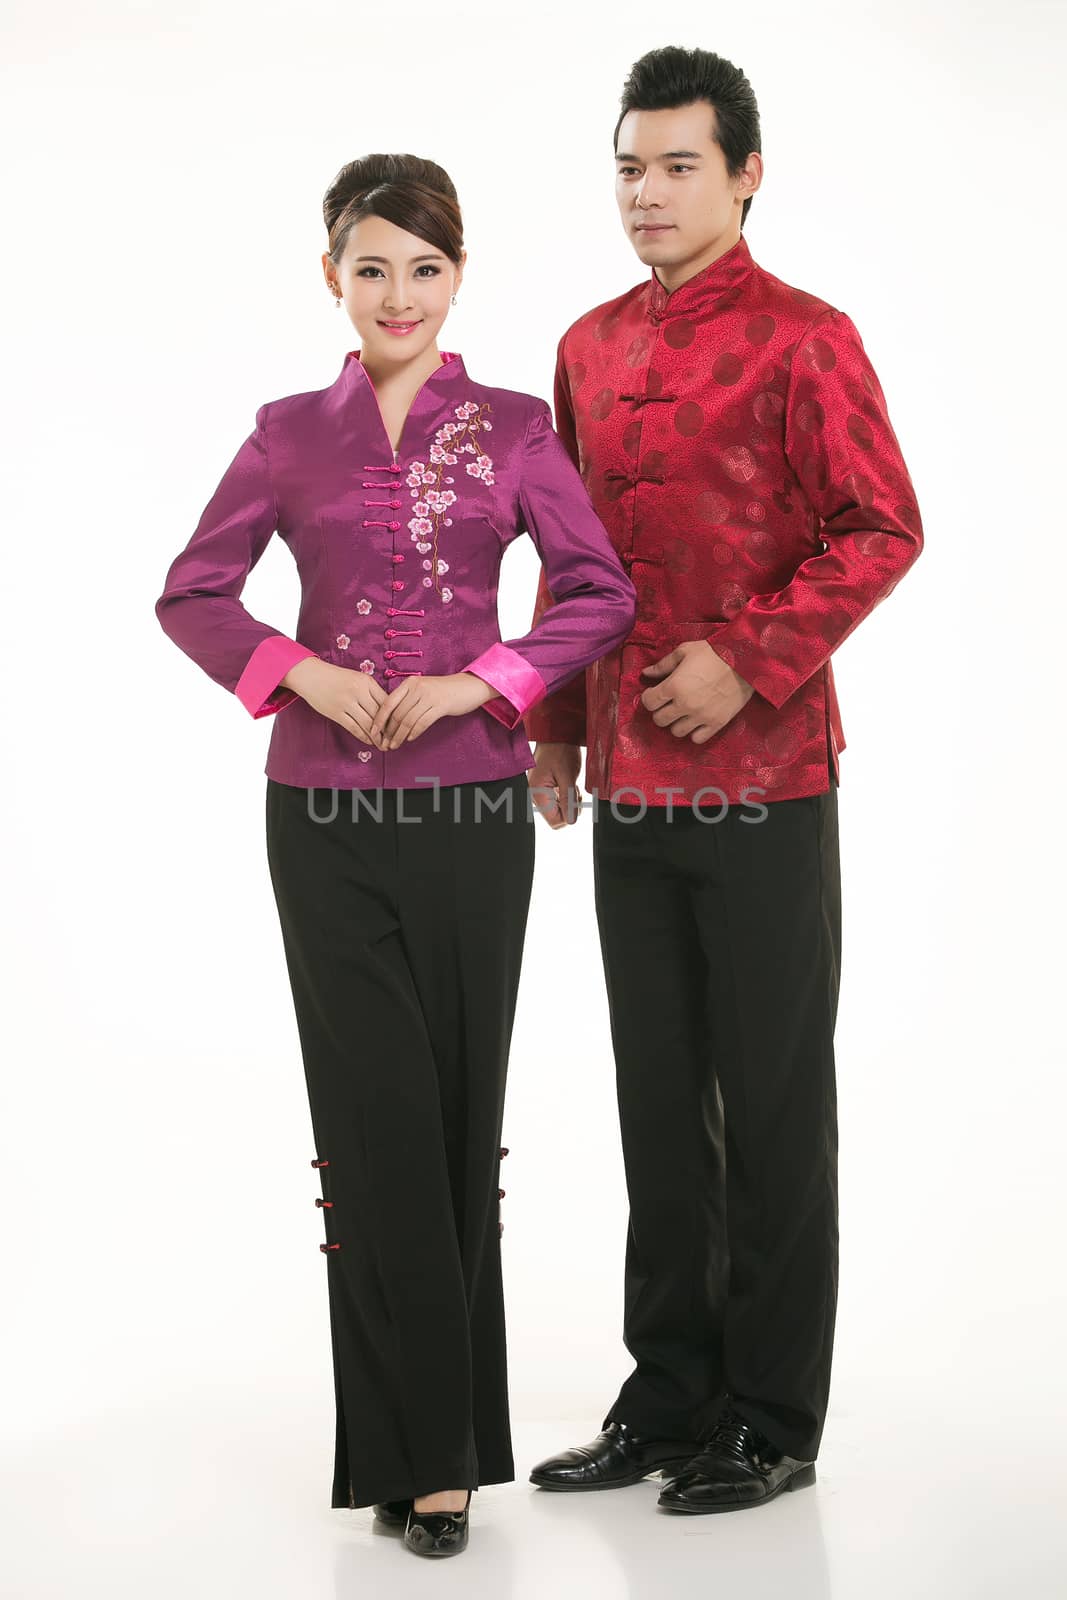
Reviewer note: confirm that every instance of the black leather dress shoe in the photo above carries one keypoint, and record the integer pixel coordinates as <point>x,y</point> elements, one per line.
<point>438,1533</point>
<point>737,1467</point>
<point>394,1512</point>
<point>616,1457</point>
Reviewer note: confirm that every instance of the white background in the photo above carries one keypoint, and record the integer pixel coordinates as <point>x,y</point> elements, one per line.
<point>168,1408</point>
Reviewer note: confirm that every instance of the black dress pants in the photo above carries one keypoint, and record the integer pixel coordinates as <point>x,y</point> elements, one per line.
<point>403,916</point>
<point>721,943</point>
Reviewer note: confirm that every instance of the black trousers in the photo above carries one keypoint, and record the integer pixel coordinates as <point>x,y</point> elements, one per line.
<point>403,916</point>
<point>721,944</point>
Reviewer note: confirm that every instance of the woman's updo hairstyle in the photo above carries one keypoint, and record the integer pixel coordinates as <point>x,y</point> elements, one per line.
<point>415,194</point>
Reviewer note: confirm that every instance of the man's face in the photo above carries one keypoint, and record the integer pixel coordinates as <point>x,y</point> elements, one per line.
<point>677,202</point>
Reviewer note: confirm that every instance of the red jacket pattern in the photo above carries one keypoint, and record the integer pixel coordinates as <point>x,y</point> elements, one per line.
<point>734,439</point>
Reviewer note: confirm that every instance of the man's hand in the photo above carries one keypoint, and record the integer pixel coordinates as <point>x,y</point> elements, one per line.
<point>553,781</point>
<point>695,692</point>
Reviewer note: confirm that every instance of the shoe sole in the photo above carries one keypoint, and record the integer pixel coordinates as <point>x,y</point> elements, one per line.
<point>800,1480</point>
<point>675,1464</point>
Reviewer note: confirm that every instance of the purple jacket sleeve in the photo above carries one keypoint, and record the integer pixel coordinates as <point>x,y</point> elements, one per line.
<point>561,717</point>
<point>200,607</point>
<point>595,601</point>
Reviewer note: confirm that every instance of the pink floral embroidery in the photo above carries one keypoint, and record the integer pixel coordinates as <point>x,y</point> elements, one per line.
<point>366,666</point>
<point>363,606</point>
<point>424,479</point>
<point>364,755</point>
<point>343,641</point>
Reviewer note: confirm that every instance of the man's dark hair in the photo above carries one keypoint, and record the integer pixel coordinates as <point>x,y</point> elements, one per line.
<point>670,77</point>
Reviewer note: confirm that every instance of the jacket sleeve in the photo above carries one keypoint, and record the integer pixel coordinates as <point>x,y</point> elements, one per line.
<point>559,718</point>
<point>842,448</point>
<point>200,607</point>
<point>594,600</point>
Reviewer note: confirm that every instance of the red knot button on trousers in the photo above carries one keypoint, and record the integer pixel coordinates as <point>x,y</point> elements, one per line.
<point>403,916</point>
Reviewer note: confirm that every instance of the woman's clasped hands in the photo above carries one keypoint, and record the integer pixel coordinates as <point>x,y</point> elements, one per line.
<point>359,704</point>
<point>418,702</point>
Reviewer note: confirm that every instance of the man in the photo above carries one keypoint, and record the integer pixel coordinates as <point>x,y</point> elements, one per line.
<point>735,441</point>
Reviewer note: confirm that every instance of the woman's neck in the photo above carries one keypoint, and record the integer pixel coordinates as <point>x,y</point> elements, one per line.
<point>400,378</point>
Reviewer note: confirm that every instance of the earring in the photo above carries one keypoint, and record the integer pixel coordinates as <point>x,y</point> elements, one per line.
<point>453,299</point>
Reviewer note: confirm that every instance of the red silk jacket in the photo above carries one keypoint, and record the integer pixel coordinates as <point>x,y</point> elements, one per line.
<point>735,442</point>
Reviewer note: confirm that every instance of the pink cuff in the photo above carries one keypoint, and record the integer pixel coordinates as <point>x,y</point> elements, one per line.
<point>511,676</point>
<point>257,687</point>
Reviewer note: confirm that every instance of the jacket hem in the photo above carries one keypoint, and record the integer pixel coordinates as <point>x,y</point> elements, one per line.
<point>737,789</point>
<point>311,776</point>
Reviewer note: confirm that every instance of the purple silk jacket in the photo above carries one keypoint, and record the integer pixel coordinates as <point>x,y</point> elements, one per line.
<point>399,557</point>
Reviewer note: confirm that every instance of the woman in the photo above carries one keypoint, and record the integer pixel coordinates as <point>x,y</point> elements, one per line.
<point>399,827</point>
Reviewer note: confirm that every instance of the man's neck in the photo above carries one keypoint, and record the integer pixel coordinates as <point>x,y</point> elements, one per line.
<point>673,277</point>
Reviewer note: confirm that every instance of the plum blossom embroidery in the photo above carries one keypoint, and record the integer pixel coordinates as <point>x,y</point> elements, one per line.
<point>363,606</point>
<point>343,641</point>
<point>366,666</point>
<point>425,480</point>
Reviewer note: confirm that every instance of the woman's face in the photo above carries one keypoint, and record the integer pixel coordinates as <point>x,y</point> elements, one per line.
<point>393,280</point>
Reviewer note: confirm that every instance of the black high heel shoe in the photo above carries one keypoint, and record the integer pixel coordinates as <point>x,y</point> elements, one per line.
<point>438,1533</point>
<point>393,1512</point>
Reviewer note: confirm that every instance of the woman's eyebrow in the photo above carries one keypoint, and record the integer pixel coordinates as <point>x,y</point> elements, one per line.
<point>385,259</point>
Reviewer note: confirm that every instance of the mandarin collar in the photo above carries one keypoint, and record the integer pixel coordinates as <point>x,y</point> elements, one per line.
<point>451,371</point>
<point>699,291</point>
<point>353,400</point>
